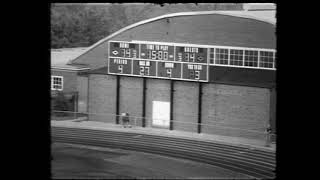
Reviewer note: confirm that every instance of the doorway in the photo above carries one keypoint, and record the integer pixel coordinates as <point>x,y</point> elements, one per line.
<point>161,114</point>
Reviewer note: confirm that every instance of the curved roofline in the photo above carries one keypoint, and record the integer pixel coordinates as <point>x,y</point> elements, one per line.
<point>59,49</point>
<point>69,68</point>
<point>228,13</point>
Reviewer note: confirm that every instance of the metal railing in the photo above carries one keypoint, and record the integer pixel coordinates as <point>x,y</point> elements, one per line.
<point>220,128</point>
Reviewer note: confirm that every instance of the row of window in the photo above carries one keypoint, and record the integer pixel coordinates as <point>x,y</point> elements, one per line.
<point>57,83</point>
<point>235,57</point>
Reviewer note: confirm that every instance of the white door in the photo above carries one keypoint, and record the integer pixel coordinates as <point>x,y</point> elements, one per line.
<point>161,113</point>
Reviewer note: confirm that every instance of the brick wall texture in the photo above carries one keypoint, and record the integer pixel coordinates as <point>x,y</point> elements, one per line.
<point>69,79</point>
<point>131,96</point>
<point>232,110</point>
<point>82,86</point>
<point>228,110</point>
<point>102,98</point>
<point>185,103</point>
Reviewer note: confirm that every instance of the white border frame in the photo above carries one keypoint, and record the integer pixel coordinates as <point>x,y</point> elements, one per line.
<point>274,60</point>
<point>229,56</point>
<point>58,68</point>
<point>108,58</point>
<point>195,45</point>
<point>259,60</point>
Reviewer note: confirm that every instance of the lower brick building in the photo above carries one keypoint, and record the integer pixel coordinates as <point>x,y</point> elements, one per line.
<point>207,72</point>
<point>65,79</point>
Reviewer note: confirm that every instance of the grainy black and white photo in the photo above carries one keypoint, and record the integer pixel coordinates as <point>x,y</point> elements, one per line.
<point>163,91</point>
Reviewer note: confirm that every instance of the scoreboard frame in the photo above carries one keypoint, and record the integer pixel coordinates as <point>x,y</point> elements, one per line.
<point>174,45</point>
<point>183,50</point>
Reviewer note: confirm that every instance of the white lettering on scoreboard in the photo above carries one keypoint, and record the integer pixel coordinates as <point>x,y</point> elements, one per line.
<point>195,66</point>
<point>191,49</point>
<point>120,61</point>
<point>124,45</point>
<point>144,63</point>
<point>157,47</point>
<point>169,65</point>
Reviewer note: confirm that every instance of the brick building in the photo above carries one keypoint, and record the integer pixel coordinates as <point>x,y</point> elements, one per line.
<point>229,91</point>
<point>64,77</point>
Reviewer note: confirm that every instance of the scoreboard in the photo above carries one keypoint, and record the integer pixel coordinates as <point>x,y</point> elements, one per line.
<point>158,60</point>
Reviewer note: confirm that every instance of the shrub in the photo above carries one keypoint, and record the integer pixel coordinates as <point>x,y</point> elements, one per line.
<point>60,103</point>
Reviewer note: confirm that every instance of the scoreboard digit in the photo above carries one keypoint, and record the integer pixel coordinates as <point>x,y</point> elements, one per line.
<point>195,71</point>
<point>124,50</point>
<point>157,52</point>
<point>144,68</point>
<point>120,66</point>
<point>121,55</point>
<point>169,69</point>
<point>191,54</point>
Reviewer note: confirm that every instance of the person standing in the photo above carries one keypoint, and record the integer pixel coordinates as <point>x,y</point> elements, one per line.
<point>268,136</point>
<point>125,120</point>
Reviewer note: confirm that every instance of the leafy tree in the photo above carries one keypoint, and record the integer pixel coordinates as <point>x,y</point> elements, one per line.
<point>81,25</point>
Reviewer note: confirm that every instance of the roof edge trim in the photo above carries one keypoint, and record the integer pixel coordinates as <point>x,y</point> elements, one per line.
<point>65,68</point>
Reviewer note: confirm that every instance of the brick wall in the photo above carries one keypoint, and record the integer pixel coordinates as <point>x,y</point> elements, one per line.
<point>235,107</point>
<point>273,108</point>
<point>226,109</point>
<point>131,96</point>
<point>82,86</point>
<point>69,79</point>
<point>185,106</point>
<point>102,97</point>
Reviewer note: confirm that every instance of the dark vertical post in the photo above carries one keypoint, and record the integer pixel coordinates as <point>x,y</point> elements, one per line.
<point>117,99</point>
<point>144,102</point>
<point>88,87</point>
<point>199,107</point>
<point>272,111</point>
<point>171,103</point>
<point>76,103</point>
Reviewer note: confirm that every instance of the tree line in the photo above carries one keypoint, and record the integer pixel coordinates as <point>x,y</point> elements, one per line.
<point>83,24</point>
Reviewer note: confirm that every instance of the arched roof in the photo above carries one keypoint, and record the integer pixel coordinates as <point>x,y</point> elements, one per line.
<point>240,14</point>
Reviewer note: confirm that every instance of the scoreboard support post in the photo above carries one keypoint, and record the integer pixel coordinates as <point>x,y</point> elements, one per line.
<point>199,107</point>
<point>117,99</point>
<point>171,103</point>
<point>144,102</point>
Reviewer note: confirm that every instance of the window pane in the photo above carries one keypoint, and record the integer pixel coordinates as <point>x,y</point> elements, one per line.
<point>221,56</point>
<point>56,83</point>
<point>211,57</point>
<point>251,58</point>
<point>266,59</point>
<point>236,57</point>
